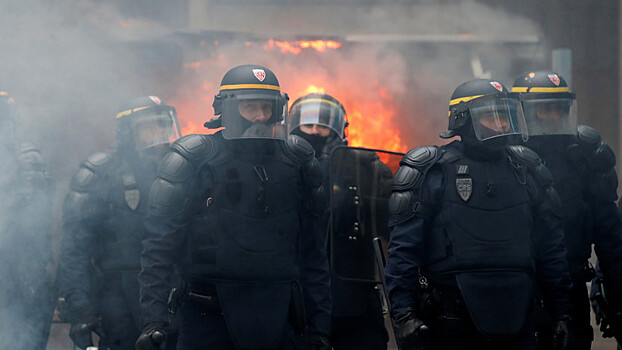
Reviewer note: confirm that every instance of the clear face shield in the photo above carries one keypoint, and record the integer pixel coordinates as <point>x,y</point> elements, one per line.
<point>550,114</point>
<point>254,116</point>
<point>156,128</point>
<point>317,111</point>
<point>497,115</point>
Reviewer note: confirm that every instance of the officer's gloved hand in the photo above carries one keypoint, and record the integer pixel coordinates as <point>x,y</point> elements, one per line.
<point>153,337</point>
<point>605,325</point>
<point>80,332</point>
<point>314,340</point>
<point>410,332</point>
<point>561,333</point>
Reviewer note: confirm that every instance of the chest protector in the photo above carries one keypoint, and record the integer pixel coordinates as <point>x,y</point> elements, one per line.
<point>482,236</point>
<point>564,157</point>
<point>245,241</point>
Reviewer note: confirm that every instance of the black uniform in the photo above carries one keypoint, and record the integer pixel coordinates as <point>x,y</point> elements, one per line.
<point>237,218</point>
<point>585,178</point>
<point>475,226</point>
<point>481,257</point>
<point>27,297</point>
<point>103,218</point>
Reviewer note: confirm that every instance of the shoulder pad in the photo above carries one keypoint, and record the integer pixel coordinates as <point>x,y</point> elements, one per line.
<point>406,177</point>
<point>588,136</point>
<point>604,186</point>
<point>299,149</point>
<point>99,162</point>
<point>524,155</point>
<point>174,167</point>
<point>91,171</point>
<point>29,157</point>
<point>604,158</point>
<point>196,148</point>
<point>421,157</point>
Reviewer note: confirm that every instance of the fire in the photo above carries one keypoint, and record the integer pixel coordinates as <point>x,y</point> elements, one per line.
<point>296,47</point>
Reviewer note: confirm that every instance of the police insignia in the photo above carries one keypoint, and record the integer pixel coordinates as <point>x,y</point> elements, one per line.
<point>497,85</point>
<point>554,79</point>
<point>464,186</point>
<point>132,198</point>
<point>260,74</point>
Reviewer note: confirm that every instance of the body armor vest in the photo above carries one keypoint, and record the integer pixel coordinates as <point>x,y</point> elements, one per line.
<point>491,229</point>
<point>558,153</point>
<point>247,229</point>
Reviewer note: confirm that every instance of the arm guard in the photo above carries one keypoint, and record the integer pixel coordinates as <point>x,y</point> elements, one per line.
<point>405,202</point>
<point>82,210</point>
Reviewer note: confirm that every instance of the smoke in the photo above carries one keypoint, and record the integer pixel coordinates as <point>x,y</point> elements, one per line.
<point>69,64</point>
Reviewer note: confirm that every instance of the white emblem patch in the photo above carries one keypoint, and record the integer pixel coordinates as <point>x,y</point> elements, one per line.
<point>497,85</point>
<point>464,186</point>
<point>260,74</point>
<point>554,79</point>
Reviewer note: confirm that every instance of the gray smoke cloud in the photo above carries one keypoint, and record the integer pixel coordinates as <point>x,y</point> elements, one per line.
<point>69,65</point>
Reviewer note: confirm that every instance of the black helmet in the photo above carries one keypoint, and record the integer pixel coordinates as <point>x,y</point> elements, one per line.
<point>488,107</point>
<point>548,104</point>
<point>321,109</point>
<point>145,122</point>
<point>252,91</point>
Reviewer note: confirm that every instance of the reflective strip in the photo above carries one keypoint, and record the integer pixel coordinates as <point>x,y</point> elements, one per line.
<point>250,86</point>
<point>540,89</point>
<point>130,111</point>
<point>321,100</point>
<point>455,101</point>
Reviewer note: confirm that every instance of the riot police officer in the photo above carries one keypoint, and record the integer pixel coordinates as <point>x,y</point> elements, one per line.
<point>474,226</point>
<point>27,295</point>
<point>357,319</point>
<point>103,216</point>
<point>585,179</point>
<point>234,211</point>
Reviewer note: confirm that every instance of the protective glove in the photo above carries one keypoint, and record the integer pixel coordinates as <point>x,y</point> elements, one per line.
<point>314,340</point>
<point>80,333</point>
<point>605,325</point>
<point>410,332</point>
<point>561,333</point>
<point>153,337</point>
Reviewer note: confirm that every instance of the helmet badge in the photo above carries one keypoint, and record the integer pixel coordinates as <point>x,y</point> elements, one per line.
<point>554,78</point>
<point>497,86</point>
<point>260,74</point>
<point>155,99</point>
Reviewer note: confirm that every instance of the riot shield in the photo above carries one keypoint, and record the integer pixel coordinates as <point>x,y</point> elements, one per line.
<point>360,184</point>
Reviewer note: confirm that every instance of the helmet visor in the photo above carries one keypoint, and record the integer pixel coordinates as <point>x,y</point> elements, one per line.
<point>254,116</point>
<point>150,130</point>
<point>496,116</point>
<point>318,111</point>
<point>547,115</point>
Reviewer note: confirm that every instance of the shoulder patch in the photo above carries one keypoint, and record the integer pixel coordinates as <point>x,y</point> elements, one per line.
<point>196,148</point>
<point>421,156</point>
<point>588,136</point>
<point>524,155</point>
<point>299,148</point>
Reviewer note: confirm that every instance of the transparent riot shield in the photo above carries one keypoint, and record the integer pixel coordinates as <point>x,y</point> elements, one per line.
<point>360,183</point>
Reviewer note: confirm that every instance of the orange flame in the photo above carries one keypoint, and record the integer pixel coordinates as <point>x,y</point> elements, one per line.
<point>296,47</point>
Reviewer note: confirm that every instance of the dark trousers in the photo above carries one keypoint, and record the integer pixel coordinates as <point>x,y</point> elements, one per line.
<point>200,328</point>
<point>582,332</point>
<point>119,323</point>
<point>362,332</point>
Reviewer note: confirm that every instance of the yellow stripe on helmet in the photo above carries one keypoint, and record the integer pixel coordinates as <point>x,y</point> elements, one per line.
<point>250,86</point>
<point>540,89</point>
<point>130,111</point>
<point>455,101</point>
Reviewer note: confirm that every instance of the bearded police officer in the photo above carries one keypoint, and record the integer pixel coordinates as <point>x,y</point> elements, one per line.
<point>103,217</point>
<point>357,182</point>
<point>585,179</point>
<point>235,212</point>
<point>474,227</point>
